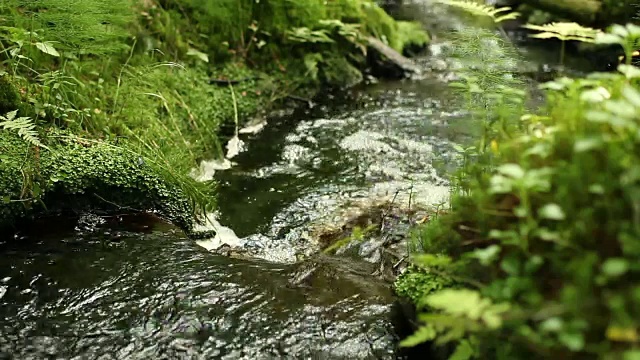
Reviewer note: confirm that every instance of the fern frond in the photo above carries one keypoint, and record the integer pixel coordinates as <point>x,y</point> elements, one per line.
<point>24,126</point>
<point>306,35</point>
<point>498,15</point>
<point>564,31</point>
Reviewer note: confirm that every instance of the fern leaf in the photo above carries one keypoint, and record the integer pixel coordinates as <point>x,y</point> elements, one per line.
<point>498,15</point>
<point>423,334</point>
<point>24,126</point>
<point>306,35</point>
<point>564,31</point>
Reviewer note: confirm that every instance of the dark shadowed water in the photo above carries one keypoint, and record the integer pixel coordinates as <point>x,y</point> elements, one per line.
<point>160,296</point>
<point>137,289</point>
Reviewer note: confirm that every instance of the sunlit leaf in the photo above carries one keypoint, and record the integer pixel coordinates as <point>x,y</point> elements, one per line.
<point>551,212</point>
<point>631,94</point>
<point>596,95</point>
<point>488,255</point>
<point>631,355</point>
<point>47,48</point>
<point>604,38</point>
<point>564,31</point>
<point>498,15</point>
<point>199,54</point>
<point>622,334</point>
<point>423,334</point>
<point>620,108</point>
<point>500,185</point>
<point>463,351</point>
<point>572,340</point>
<point>554,324</point>
<point>629,71</point>
<point>615,267</point>
<point>428,260</point>
<point>587,144</point>
<point>512,170</point>
<point>598,116</point>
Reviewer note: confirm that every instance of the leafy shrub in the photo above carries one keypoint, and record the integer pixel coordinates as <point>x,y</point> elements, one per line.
<point>544,231</point>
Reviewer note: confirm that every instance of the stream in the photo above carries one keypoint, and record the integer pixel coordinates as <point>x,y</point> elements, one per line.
<point>133,288</point>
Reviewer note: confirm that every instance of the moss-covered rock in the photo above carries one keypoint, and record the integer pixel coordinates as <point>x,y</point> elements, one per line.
<point>337,72</point>
<point>412,37</point>
<point>78,175</point>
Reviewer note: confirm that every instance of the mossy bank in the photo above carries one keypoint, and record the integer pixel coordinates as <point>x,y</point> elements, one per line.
<point>165,81</point>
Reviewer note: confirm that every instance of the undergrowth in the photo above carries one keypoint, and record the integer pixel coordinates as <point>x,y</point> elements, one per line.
<point>155,76</point>
<point>538,255</point>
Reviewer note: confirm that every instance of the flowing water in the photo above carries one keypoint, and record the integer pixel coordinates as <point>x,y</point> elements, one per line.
<point>137,289</point>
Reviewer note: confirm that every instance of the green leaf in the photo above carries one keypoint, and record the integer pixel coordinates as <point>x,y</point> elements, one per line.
<point>428,260</point>
<point>631,355</point>
<point>598,116</point>
<point>464,351</point>
<point>10,115</point>
<point>603,38</point>
<point>512,170</point>
<point>423,334</point>
<point>564,31</point>
<point>36,190</point>
<point>199,54</point>
<point>633,29</point>
<point>632,95</point>
<point>597,189</point>
<point>573,340</point>
<point>629,71</point>
<point>24,126</point>
<point>587,144</point>
<point>552,85</point>
<point>615,267</point>
<point>488,255</point>
<point>510,265</point>
<point>551,212</point>
<point>47,48</point>
<point>596,95</point>
<point>619,30</point>
<point>620,108</point>
<point>554,324</point>
<point>500,185</point>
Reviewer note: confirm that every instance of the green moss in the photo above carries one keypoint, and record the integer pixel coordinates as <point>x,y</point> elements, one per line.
<point>77,175</point>
<point>339,73</point>
<point>9,96</point>
<point>412,37</point>
<point>416,283</point>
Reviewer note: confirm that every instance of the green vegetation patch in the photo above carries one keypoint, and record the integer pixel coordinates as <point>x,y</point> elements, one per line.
<point>173,80</point>
<point>76,174</point>
<point>544,225</point>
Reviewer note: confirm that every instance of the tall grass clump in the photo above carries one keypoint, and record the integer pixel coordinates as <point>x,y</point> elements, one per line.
<point>538,257</point>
